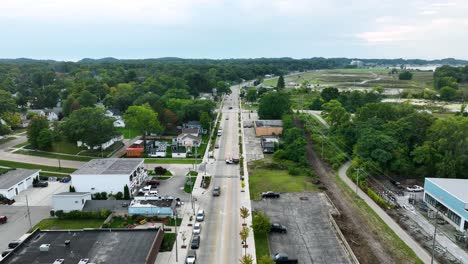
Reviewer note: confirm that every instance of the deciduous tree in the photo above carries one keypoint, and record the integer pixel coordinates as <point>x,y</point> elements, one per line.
<point>37,124</point>
<point>142,119</point>
<point>273,105</point>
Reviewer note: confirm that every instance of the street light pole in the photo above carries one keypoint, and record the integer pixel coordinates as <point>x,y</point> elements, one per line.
<point>29,213</point>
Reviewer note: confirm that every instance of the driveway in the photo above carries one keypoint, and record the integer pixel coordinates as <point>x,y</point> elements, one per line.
<point>253,149</point>
<point>173,186</point>
<point>40,196</point>
<point>310,237</point>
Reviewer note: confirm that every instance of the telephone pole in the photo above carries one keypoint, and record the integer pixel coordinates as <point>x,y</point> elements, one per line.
<point>29,213</point>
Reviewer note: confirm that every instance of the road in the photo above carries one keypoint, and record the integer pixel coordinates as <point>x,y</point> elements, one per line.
<point>220,240</point>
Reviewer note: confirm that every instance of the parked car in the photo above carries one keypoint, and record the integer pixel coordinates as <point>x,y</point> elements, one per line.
<point>216,191</point>
<point>6,252</point>
<point>229,161</point>
<point>282,258</point>
<point>414,188</point>
<point>235,160</point>
<point>216,146</point>
<point>270,195</point>
<point>14,243</point>
<point>3,219</point>
<point>195,244</point>
<point>196,229</point>
<point>152,183</point>
<point>227,118</point>
<point>191,257</point>
<point>278,228</point>
<point>65,179</point>
<point>41,184</point>
<point>200,216</point>
<point>397,184</point>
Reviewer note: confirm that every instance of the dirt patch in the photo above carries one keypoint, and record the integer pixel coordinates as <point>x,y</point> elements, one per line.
<point>365,244</point>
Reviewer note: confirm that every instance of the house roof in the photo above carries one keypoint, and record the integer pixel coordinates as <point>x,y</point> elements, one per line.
<point>179,150</point>
<point>109,166</point>
<point>182,136</point>
<point>456,187</point>
<point>190,131</point>
<point>269,123</point>
<point>193,123</point>
<point>12,177</point>
<point>116,246</point>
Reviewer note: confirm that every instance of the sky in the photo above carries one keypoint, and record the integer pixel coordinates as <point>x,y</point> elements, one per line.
<point>134,29</point>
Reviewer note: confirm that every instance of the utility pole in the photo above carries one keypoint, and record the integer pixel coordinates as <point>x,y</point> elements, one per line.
<point>60,165</point>
<point>29,213</point>
<point>357,179</point>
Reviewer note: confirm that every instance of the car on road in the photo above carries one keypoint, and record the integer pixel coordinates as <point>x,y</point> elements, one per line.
<point>3,219</point>
<point>191,257</point>
<point>200,216</point>
<point>414,188</point>
<point>14,243</point>
<point>216,191</point>
<point>195,244</point>
<point>230,107</point>
<point>282,258</point>
<point>229,161</point>
<point>278,228</point>
<point>216,146</point>
<point>41,184</point>
<point>6,252</point>
<point>227,118</point>
<point>65,179</point>
<point>196,229</point>
<point>152,183</point>
<point>270,194</point>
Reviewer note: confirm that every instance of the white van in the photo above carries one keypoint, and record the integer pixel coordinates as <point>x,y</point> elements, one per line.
<point>219,133</point>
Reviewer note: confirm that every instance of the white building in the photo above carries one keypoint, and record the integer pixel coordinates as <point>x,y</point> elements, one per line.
<point>109,175</point>
<point>104,145</point>
<point>70,201</point>
<point>15,181</point>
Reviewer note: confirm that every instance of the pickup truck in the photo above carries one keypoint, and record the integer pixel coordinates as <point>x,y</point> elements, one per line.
<point>282,258</point>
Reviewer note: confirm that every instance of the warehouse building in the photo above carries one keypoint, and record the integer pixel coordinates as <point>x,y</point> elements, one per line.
<point>110,175</point>
<point>14,181</point>
<point>268,127</point>
<point>450,197</point>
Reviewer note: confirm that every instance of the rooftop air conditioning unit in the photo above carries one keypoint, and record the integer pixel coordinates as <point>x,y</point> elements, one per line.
<point>44,248</point>
<point>83,261</point>
<point>58,261</point>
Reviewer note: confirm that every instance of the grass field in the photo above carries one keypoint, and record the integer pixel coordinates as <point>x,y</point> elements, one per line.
<point>64,224</point>
<point>52,174</point>
<point>51,155</point>
<point>14,164</point>
<point>262,179</point>
<point>261,245</point>
<point>128,133</point>
<point>168,242</point>
<point>189,187</point>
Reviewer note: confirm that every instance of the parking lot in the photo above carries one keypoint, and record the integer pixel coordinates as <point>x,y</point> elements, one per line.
<point>253,149</point>
<point>310,237</point>
<point>40,196</point>
<point>173,186</point>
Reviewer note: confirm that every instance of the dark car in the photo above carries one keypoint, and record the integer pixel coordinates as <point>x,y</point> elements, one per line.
<point>14,243</point>
<point>230,107</point>
<point>6,252</point>
<point>65,179</point>
<point>216,191</point>
<point>41,184</point>
<point>278,228</point>
<point>195,244</point>
<point>396,184</point>
<point>3,219</point>
<point>270,195</point>
<point>152,183</point>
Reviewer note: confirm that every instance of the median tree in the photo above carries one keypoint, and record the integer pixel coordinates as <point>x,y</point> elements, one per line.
<point>261,223</point>
<point>142,119</point>
<point>244,213</point>
<point>244,234</point>
<point>37,124</point>
<point>246,259</point>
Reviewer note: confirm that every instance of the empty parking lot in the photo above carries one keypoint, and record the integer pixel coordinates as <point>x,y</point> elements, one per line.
<point>311,237</point>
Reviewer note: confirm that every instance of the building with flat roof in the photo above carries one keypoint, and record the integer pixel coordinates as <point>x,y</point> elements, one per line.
<point>14,181</point>
<point>450,197</point>
<point>110,175</point>
<point>152,206</point>
<point>70,201</point>
<point>116,246</point>
<point>268,127</point>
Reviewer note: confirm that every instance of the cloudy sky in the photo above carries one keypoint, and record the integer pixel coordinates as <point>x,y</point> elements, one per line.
<point>74,29</point>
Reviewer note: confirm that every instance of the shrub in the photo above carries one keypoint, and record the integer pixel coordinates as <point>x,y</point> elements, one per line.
<point>119,196</point>
<point>294,171</point>
<point>103,214</point>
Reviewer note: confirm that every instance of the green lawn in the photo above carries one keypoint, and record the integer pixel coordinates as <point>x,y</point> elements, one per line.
<point>20,145</point>
<point>51,155</point>
<point>14,164</point>
<point>262,180</point>
<point>5,140</point>
<point>261,245</point>
<point>57,224</point>
<point>168,242</point>
<point>65,147</point>
<point>172,161</point>
<point>105,153</point>
<point>128,133</point>
<point>189,187</point>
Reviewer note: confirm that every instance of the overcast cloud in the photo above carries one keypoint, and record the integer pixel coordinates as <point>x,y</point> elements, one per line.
<point>71,30</point>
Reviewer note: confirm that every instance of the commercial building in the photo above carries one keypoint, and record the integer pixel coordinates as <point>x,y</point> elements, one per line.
<point>268,127</point>
<point>152,206</point>
<point>110,175</point>
<point>116,246</point>
<point>70,201</point>
<point>450,198</point>
<point>14,181</point>
<point>268,143</point>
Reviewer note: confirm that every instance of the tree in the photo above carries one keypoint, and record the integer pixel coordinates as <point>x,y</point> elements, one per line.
<point>89,125</point>
<point>273,105</point>
<point>7,102</point>
<point>37,124</point>
<point>246,259</point>
<point>244,234</point>
<point>71,189</point>
<point>280,84</point>
<point>448,93</point>
<point>265,260</point>
<point>405,75</point>
<point>205,120</point>
<point>87,99</point>
<point>4,130</point>
<point>335,114</point>
<point>126,194</point>
<point>118,196</point>
<point>251,95</point>
<point>244,213</point>
<point>329,93</point>
<point>160,170</point>
<point>261,223</point>
<point>45,139</point>
<point>142,119</point>
<point>223,88</point>
<point>11,118</point>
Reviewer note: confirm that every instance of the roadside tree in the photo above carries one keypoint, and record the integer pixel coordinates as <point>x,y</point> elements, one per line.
<point>37,124</point>
<point>142,119</point>
<point>273,105</point>
<point>261,223</point>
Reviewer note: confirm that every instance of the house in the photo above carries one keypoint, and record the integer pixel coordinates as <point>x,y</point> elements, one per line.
<point>50,114</point>
<point>70,201</point>
<point>157,149</point>
<point>268,127</point>
<point>136,149</point>
<point>450,198</point>
<point>188,141</point>
<point>194,124</point>
<point>206,96</point>
<point>152,206</point>
<point>119,123</point>
<point>191,131</point>
<point>136,246</point>
<point>110,175</point>
<point>14,181</point>
<point>104,145</point>
<point>179,152</point>
<point>268,143</point>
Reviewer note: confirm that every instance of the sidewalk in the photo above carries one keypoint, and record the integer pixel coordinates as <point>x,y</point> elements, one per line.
<point>418,250</point>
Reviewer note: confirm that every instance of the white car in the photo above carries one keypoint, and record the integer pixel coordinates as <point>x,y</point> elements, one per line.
<point>200,216</point>
<point>414,188</point>
<point>191,257</point>
<point>196,229</point>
